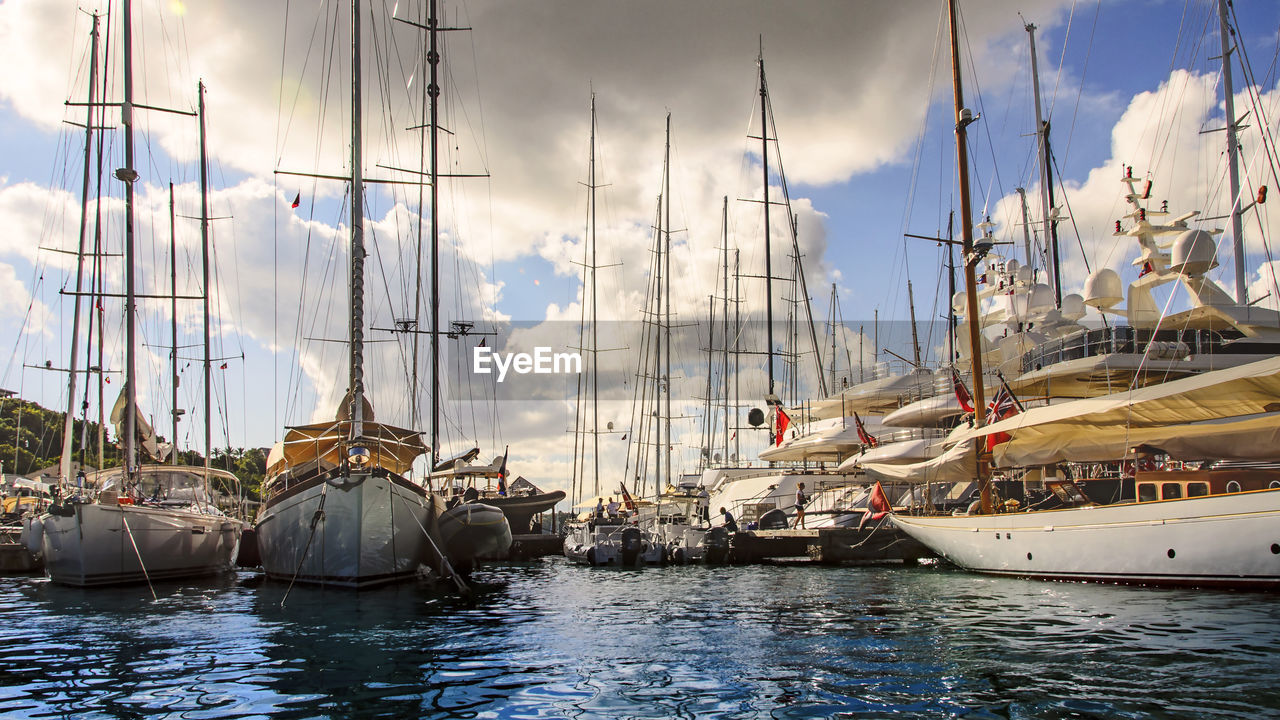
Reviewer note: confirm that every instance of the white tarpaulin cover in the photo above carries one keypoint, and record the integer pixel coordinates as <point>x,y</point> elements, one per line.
<point>1223,414</point>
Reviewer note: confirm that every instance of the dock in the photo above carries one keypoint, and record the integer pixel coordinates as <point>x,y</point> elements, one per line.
<point>531,547</point>
<point>829,546</point>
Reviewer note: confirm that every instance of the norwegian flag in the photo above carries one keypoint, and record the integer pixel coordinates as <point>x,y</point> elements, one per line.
<point>865,437</point>
<point>962,392</point>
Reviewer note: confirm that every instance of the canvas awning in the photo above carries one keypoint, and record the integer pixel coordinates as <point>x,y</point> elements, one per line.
<point>390,447</point>
<point>1223,414</point>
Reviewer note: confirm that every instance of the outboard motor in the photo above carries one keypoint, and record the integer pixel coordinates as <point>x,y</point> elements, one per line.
<point>632,546</point>
<point>715,546</point>
<point>775,519</point>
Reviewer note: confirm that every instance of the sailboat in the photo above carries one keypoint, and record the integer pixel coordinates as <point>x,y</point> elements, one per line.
<point>1200,523</point>
<point>138,523</point>
<point>338,508</point>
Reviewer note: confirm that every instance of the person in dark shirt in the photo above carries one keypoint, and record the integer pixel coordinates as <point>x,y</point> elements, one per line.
<point>729,523</point>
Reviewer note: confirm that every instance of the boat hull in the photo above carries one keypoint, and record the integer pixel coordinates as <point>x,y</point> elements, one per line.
<point>612,545</point>
<point>108,544</point>
<point>1230,541</point>
<point>349,531</point>
<point>473,530</point>
<point>520,509</point>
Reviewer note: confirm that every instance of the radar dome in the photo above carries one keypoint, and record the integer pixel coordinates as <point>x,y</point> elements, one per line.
<point>1072,307</point>
<point>1023,276</point>
<point>1194,253</point>
<point>1041,298</point>
<point>1102,289</point>
<point>960,303</point>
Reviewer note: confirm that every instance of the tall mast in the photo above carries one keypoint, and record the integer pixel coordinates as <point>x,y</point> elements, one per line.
<point>433,92</point>
<point>68,424</point>
<point>915,335</point>
<point>595,339</point>
<point>1046,173</point>
<point>737,356</point>
<point>666,297</point>
<point>1233,151</point>
<point>204,263</point>
<point>768,254</point>
<point>834,301</point>
<point>357,237</point>
<point>724,319</point>
<point>173,328</point>
<point>963,118</point>
<point>129,176</point>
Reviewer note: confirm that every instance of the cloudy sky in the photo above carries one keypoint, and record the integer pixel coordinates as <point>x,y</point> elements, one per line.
<point>861,97</point>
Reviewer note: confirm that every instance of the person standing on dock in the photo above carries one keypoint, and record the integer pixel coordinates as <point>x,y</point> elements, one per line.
<point>729,523</point>
<point>800,502</point>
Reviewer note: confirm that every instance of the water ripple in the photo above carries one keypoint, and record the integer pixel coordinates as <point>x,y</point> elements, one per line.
<point>551,640</point>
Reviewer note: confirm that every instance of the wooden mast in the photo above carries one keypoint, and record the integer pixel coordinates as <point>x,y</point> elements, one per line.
<point>963,119</point>
<point>357,237</point>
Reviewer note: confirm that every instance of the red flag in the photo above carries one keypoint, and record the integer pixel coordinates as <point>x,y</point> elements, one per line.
<point>224,366</point>
<point>627,502</point>
<point>297,200</point>
<point>877,507</point>
<point>962,392</point>
<point>1003,405</point>
<point>783,422</point>
<point>865,437</point>
<point>1147,269</point>
<point>482,344</point>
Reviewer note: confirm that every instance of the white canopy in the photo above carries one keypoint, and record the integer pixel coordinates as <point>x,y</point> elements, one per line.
<point>1223,414</point>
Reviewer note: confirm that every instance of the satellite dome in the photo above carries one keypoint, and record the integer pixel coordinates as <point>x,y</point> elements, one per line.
<point>1023,276</point>
<point>1194,253</point>
<point>1041,298</point>
<point>1102,289</point>
<point>1073,307</point>
<point>960,303</point>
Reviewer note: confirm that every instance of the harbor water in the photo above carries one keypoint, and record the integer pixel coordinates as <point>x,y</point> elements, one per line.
<point>553,640</point>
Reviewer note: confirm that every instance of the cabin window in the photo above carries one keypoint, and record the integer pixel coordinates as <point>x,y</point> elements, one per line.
<point>1197,489</point>
<point>1147,492</point>
<point>1233,487</point>
<point>1170,491</point>
<point>1274,484</point>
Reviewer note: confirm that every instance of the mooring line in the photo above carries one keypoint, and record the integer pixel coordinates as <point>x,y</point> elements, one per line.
<point>128,531</point>
<point>315,521</point>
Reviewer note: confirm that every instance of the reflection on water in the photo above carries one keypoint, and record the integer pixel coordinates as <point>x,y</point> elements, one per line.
<point>554,640</point>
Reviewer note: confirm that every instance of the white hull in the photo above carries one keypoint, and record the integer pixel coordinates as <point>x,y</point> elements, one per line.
<point>473,530</point>
<point>1213,541</point>
<point>368,531</point>
<point>685,544</point>
<point>612,545</point>
<point>95,544</point>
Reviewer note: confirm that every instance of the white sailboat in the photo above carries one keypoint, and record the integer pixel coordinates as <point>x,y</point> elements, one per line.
<point>138,523</point>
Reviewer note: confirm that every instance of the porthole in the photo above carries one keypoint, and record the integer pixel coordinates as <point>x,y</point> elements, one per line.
<point>1171,553</point>
<point>1274,484</point>
<point>1007,536</point>
<point>1275,549</point>
<point>1233,487</point>
<point>1029,555</point>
